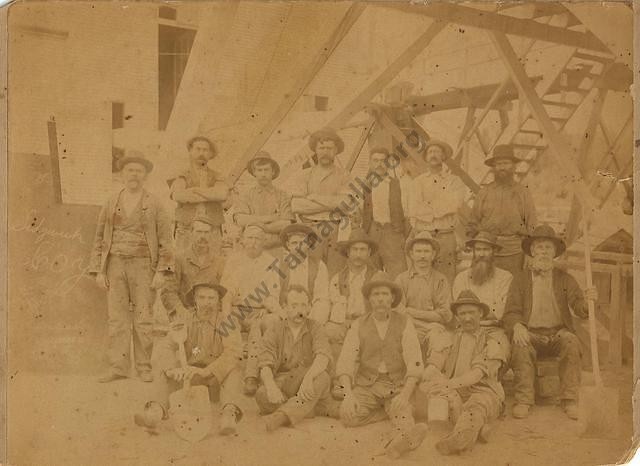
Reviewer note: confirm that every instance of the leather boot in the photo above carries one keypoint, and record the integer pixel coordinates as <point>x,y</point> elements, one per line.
<point>228,420</point>
<point>275,420</point>
<point>464,434</point>
<point>406,441</point>
<point>250,386</point>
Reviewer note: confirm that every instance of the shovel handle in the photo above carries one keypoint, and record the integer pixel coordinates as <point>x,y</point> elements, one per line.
<point>593,334</point>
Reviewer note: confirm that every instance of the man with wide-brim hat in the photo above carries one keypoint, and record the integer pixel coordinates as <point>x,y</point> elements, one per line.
<point>427,294</point>
<point>322,197</point>
<point>264,203</point>
<point>504,208</point>
<point>298,266</point>
<point>380,365</point>
<point>131,257</point>
<point>437,196</point>
<point>469,381</point>
<point>212,351</point>
<point>538,316</point>
<point>199,190</point>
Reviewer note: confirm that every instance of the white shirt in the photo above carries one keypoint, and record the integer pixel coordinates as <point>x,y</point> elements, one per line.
<point>355,305</point>
<point>493,292</point>
<point>320,304</point>
<point>380,202</point>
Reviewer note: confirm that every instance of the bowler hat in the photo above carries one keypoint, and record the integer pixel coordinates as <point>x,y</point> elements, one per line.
<point>299,228</point>
<point>135,157</point>
<point>190,296</point>
<point>446,148</point>
<point>422,237</point>
<point>357,236</point>
<point>484,237</point>
<point>324,134</point>
<point>501,152</point>
<point>469,297</point>
<point>544,232</point>
<point>383,279</point>
<point>263,156</point>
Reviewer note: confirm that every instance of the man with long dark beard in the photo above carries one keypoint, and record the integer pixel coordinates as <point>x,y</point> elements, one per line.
<point>489,283</point>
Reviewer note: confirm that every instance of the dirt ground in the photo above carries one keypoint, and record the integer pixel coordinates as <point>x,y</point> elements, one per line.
<point>73,420</point>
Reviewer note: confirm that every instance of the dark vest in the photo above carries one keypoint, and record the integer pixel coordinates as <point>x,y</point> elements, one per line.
<point>343,279</point>
<point>186,212</point>
<point>314,265</point>
<point>374,350</point>
<point>395,208</point>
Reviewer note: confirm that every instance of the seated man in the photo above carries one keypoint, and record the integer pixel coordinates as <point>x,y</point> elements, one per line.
<point>386,345</point>
<point>470,381</point>
<point>211,360</point>
<point>426,298</point>
<point>293,362</point>
<point>538,318</point>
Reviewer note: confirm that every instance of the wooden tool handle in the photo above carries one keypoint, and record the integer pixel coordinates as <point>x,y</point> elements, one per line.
<point>595,360</point>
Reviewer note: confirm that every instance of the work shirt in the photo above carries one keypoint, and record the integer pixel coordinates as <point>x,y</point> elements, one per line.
<point>250,280</point>
<point>283,351</point>
<point>317,180</point>
<point>493,292</point>
<point>435,201</point>
<point>347,307</point>
<point>128,231</point>
<point>380,202</point>
<point>268,200</point>
<point>320,304</point>
<point>507,211</point>
<point>186,212</point>
<point>411,352</point>
<point>544,309</point>
<point>429,291</point>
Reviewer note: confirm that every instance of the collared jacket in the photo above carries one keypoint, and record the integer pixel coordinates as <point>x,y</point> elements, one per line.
<point>566,290</point>
<point>157,230</point>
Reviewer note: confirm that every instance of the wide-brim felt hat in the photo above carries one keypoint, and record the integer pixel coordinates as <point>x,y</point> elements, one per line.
<point>544,232</point>
<point>135,157</point>
<point>424,237</point>
<point>484,237</point>
<point>323,134</point>
<point>300,228</point>
<point>264,156</point>
<point>502,152</point>
<point>357,236</point>
<point>383,279</point>
<point>446,148</point>
<point>190,296</point>
<point>469,297</point>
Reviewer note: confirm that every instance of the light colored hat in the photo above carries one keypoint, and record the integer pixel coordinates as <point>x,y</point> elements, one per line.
<point>264,156</point>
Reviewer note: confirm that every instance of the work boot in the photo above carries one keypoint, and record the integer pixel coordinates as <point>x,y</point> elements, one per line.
<point>150,416</point>
<point>228,420</point>
<point>456,442</point>
<point>275,420</point>
<point>485,433</point>
<point>110,377</point>
<point>406,441</point>
<point>146,376</point>
<point>520,410</point>
<point>250,386</point>
<point>570,407</point>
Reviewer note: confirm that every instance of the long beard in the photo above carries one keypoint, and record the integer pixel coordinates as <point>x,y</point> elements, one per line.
<point>503,177</point>
<point>541,263</point>
<point>481,270</point>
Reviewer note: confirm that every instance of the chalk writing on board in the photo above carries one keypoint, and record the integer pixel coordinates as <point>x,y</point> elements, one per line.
<point>37,225</point>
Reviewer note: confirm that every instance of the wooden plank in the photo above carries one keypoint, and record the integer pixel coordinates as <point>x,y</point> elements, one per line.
<point>504,24</point>
<point>55,161</point>
<point>359,145</point>
<point>351,16</point>
<point>614,355</point>
<point>388,125</point>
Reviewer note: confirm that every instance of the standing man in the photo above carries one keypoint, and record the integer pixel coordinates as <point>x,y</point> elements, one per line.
<point>470,380</point>
<point>198,191</point>
<point>132,251</point>
<point>434,203</point>
<point>383,216</point>
<point>426,297</point>
<point>505,208</point>
<point>537,317</point>
<point>264,203</point>
<point>490,284</point>
<point>294,362</point>
<point>386,345</point>
<point>320,193</point>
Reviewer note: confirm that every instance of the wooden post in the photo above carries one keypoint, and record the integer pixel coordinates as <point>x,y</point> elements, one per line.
<point>616,317</point>
<point>353,158</point>
<point>55,162</point>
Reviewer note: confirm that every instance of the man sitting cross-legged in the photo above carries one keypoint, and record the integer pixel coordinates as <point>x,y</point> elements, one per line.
<point>470,380</point>
<point>386,345</point>
<point>212,359</point>
<point>294,360</point>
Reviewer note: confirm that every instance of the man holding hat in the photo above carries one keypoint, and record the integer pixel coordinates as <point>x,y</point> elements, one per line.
<point>426,298</point>
<point>436,197</point>
<point>300,267</point>
<point>504,208</point>
<point>132,252</point>
<point>470,380</point>
<point>319,193</point>
<point>538,318</point>
<point>489,283</point>
<point>264,203</point>
<point>212,359</point>
<point>198,191</point>
<point>380,386</point>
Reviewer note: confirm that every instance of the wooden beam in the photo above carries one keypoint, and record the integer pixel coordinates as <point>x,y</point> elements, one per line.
<point>55,161</point>
<point>352,15</point>
<point>386,123</point>
<point>360,144</point>
<point>467,16</point>
<point>616,316</point>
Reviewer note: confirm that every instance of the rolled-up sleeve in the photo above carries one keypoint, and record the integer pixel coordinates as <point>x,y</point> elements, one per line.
<point>411,351</point>
<point>320,342</point>
<point>442,299</point>
<point>268,349</point>
<point>346,364</point>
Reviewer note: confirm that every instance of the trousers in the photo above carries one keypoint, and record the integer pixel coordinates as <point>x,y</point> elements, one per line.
<point>390,255</point>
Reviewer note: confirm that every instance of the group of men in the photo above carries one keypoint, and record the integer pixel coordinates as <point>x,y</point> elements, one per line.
<point>381,325</point>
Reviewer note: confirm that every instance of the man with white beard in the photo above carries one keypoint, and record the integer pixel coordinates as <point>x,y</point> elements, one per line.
<point>489,283</point>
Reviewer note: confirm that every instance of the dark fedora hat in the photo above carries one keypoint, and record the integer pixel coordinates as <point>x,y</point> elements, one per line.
<point>484,237</point>
<point>544,232</point>
<point>446,148</point>
<point>383,279</point>
<point>190,296</point>
<point>264,156</point>
<point>357,236</point>
<point>502,152</point>
<point>469,297</point>
<point>135,156</point>
<point>326,134</point>
<point>299,228</point>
